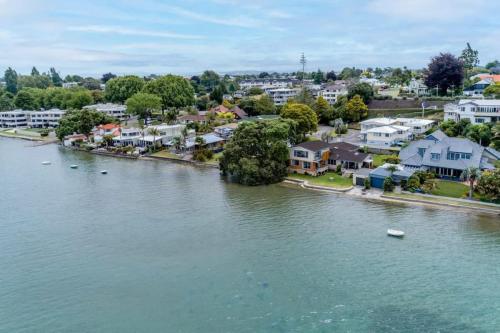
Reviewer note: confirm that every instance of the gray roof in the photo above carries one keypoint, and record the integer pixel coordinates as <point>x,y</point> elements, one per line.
<point>410,155</point>
<point>382,171</point>
<point>438,135</point>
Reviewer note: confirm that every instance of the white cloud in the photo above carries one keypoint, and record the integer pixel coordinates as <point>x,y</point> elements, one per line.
<point>130,31</point>
<point>239,21</point>
<point>426,10</point>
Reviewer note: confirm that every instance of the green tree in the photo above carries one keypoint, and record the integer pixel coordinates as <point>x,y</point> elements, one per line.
<point>480,133</point>
<point>257,153</point>
<point>471,174</point>
<point>217,94</point>
<point>356,109</point>
<point>209,80</point>
<point>91,84</point>
<point>265,105</point>
<point>492,64</point>
<point>34,71</point>
<point>6,101</point>
<point>79,99</point>
<point>10,78</point>
<point>488,185</point>
<point>323,110</point>
<point>305,97</point>
<point>470,58</point>
<point>81,121</point>
<point>174,91</point>
<point>33,81</point>
<point>106,77</point>
<point>388,184</point>
<point>55,77</point>
<point>119,89</point>
<point>25,100</point>
<point>255,91</point>
<point>493,90</point>
<point>143,105</point>
<point>307,121</point>
<point>362,89</point>
<point>154,132</point>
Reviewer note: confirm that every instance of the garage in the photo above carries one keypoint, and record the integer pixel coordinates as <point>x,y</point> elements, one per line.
<point>377,182</point>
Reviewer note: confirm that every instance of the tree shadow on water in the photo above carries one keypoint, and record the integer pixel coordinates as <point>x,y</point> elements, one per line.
<point>392,318</point>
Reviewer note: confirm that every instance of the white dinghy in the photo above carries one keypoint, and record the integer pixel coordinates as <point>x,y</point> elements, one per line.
<point>395,233</point>
<point>104,172</point>
<point>73,166</point>
<point>46,163</point>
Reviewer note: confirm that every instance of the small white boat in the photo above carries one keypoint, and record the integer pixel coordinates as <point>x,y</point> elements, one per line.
<point>104,172</point>
<point>73,166</point>
<point>46,163</point>
<point>395,233</point>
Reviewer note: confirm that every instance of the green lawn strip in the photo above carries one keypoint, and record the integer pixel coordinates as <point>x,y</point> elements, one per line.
<point>436,199</point>
<point>329,179</point>
<point>166,154</point>
<point>450,189</point>
<point>215,159</point>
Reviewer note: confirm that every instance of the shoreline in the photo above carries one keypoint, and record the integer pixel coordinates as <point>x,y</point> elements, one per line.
<point>490,209</point>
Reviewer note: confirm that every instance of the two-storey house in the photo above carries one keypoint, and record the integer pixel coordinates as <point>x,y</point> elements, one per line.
<point>478,111</point>
<point>309,158</point>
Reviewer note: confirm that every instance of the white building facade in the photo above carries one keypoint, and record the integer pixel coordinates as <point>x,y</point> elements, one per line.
<point>114,110</point>
<point>476,111</point>
<point>281,95</point>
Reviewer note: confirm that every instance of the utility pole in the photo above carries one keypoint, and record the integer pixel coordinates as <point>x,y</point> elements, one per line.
<point>303,62</point>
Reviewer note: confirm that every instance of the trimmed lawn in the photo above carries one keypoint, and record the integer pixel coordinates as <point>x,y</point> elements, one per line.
<point>215,159</point>
<point>329,179</point>
<point>450,189</point>
<point>166,154</point>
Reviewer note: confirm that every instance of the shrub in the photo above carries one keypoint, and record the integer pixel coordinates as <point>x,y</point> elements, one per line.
<point>392,159</point>
<point>44,132</point>
<point>338,170</point>
<point>413,183</point>
<point>388,184</point>
<point>367,184</point>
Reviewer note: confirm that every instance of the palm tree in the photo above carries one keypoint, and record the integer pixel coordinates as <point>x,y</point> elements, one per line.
<point>176,142</point>
<point>199,142</point>
<point>392,168</point>
<point>471,174</point>
<point>154,132</point>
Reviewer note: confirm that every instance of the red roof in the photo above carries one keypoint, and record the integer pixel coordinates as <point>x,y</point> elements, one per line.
<point>495,77</point>
<point>239,112</point>
<point>220,108</point>
<point>108,126</point>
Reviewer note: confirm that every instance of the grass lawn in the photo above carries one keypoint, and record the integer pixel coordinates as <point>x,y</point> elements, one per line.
<point>329,179</point>
<point>215,159</point>
<point>166,154</point>
<point>450,189</point>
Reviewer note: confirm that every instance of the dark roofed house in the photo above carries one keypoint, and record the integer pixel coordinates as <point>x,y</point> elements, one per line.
<point>347,157</point>
<point>378,176</point>
<point>239,113</point>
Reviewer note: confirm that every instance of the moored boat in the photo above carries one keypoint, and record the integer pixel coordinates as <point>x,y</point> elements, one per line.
<point>73,166</point>
<point>395,233</point>
<point>46,163</point>
<point>104,172</point>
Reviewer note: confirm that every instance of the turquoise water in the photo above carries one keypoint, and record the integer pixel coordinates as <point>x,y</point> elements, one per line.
<point>160,247</point>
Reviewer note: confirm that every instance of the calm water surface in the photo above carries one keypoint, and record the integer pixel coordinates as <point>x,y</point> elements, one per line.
<point>159,247</point>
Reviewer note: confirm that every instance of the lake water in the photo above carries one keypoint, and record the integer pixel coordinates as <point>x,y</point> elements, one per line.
<point>162,247</point>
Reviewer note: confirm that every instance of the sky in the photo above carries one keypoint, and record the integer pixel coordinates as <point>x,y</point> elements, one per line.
<point>141,37</point>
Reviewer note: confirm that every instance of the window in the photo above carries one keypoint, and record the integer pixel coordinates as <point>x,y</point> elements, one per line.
<point>295,162</point>
<point>317,155</point>
<point>435,156</point>
<point>300,153</point>
<point>306,165</point>
<point>332,162</point>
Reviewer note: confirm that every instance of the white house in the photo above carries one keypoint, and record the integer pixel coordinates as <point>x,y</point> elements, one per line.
<point>331,93</point>
<point>388,135</point>
<point>477,111</point>
<point>417,126</point>
<point>14,119</point>
<point>45,118</point>
<point>114,110</point>
<point>281,95</point>
<point>128,137</point>
<point>418,87</point>
<point>166,134</point>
